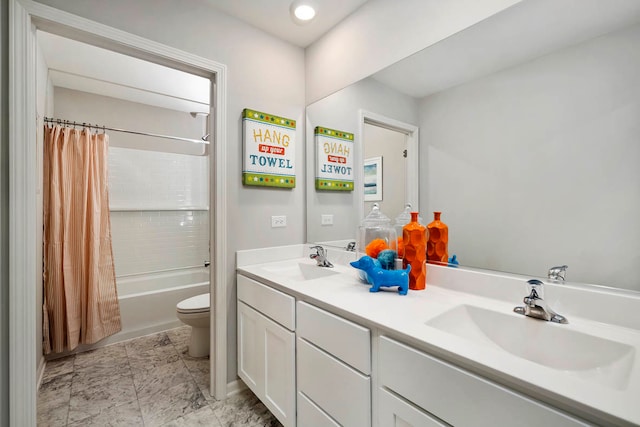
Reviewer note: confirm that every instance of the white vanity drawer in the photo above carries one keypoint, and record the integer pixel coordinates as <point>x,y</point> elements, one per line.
<point>309,415</point>
<point>345,340</point>
<point>394,411</point>
<point>459,397</point>
<point>270,302</point>
<point>339,390</point>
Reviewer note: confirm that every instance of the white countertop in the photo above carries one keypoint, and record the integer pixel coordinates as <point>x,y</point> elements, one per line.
<point>592,395</point>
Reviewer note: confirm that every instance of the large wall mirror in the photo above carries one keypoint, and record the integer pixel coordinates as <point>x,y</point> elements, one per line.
<point>529,141</point>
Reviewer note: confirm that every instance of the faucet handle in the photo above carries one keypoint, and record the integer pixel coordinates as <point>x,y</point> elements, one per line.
<point>534,290</point>
<point>319,250</point>
<point>557,273</point>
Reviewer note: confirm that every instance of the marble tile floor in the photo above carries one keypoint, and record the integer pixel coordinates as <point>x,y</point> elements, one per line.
<point>147,381</point>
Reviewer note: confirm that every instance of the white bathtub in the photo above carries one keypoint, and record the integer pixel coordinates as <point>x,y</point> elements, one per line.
<point>148,302</point>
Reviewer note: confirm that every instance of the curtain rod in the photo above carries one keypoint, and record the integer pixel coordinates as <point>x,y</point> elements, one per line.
<point>105,128</point>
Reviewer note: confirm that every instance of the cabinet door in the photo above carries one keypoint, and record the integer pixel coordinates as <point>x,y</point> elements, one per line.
<point>338,389</point>
<point>457,396</point>
<point>266,354</point>
<point>279,372</point>
<point>250,368</point>
<point>309,415</point>
<point>394,411</point>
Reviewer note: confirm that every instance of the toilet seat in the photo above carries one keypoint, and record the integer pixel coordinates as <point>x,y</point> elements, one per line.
<point>196,304</point>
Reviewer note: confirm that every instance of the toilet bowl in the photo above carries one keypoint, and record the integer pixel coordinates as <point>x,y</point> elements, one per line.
<point>195,312</point>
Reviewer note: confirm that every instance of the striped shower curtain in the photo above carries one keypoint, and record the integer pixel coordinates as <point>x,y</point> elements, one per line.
<point>80,296</point>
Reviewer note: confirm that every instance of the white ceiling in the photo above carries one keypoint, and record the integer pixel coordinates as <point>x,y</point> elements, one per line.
<point>79,66</point>
<point>148,83</point>
<point>273,17</point>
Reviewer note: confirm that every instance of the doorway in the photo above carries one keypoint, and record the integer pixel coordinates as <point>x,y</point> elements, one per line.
<point>394,144</point>
<point>26,19</point>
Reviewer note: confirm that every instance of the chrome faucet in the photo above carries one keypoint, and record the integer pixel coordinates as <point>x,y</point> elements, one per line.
<point>351,247</point>
<point>320,256</point>
<point>556,274</point>
<point>536,307</point>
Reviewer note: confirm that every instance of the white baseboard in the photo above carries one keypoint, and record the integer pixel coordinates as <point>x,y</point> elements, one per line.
<point>40,371</point>
<point>235,387</point>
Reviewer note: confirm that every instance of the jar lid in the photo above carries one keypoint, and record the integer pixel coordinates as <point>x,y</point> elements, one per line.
<point>404,217</point>
<point>376,218</point>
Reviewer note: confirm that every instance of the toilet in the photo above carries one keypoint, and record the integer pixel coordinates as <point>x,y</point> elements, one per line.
<point>195,312</point>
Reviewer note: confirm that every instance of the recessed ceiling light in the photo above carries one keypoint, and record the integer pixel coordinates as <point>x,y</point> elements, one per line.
<point>302,11</point>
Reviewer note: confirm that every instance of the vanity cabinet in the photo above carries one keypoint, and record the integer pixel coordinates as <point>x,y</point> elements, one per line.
<point>266,347</point>
<point>312,367</point>
<point>333,368</point>
<point>447,395</point>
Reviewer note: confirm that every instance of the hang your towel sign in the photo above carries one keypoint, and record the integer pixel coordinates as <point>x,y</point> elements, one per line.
<point>269,150</point>
<point>334,154</point>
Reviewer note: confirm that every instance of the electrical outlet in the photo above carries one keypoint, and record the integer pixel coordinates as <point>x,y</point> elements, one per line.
<point>278,221</point>
<point>327,219</point>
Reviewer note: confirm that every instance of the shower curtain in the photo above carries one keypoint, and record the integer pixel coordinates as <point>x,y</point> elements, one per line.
<point>80,296</point>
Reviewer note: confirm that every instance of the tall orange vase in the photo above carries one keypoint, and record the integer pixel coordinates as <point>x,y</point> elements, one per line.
<point>414,238</point>
<point>438,240</point>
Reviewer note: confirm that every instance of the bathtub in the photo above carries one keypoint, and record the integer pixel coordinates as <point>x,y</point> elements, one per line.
<point>148,302</point>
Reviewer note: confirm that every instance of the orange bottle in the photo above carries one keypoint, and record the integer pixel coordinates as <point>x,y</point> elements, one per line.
<point>414,239</point>
<point>438,240</point>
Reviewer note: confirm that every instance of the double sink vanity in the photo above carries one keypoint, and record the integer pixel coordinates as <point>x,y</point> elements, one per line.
<point>319,349</point>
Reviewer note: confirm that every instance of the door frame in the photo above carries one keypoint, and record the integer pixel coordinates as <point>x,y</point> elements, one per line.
<point>413,162</point>
<point>25,16</point>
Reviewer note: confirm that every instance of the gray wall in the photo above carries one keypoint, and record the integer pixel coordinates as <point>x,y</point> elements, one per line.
<point>264,73</point>
<point>389,144</point>
<point>4,214</point>
<point>537,165</point>
<point>340,111</point>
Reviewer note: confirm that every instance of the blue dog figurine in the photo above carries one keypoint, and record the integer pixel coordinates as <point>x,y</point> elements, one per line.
<point>380,277</point>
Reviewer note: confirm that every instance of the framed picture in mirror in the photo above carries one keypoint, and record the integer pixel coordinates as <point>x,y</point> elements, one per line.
<point>334,154</point>
<point>373,179</point>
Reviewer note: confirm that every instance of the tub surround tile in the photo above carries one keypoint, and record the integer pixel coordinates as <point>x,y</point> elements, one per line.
<point>171,403</point>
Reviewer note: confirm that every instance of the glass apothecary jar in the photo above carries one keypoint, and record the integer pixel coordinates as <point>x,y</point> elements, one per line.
<point>375,234</point>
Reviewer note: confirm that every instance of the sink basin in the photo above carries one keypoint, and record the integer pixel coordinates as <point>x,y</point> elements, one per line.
<point>300,271</point>
<point>555,346</point>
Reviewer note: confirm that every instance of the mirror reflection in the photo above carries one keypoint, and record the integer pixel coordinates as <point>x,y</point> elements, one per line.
<point>528,144</point>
